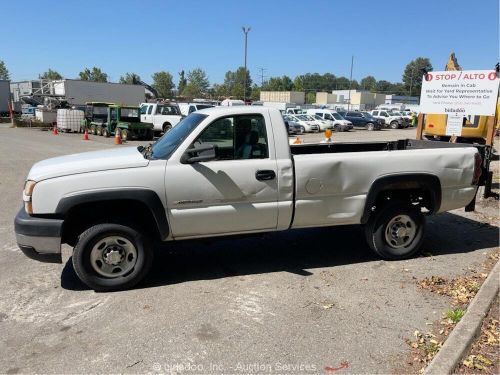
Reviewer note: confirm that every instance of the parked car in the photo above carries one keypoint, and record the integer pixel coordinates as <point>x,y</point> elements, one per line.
<point>337,122</point>
<point>228,171</point>
<point>395,122</point>
<point>406,117</point>
<point>369,116</point>
<point>305,125</point>
<point>323,124</point>
<point>293,128</point>
<point>163,116</point>
<point>294,111</point>
<point>358,120</point>
<point>187,108</point>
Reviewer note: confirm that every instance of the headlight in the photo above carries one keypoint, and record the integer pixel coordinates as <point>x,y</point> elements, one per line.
<point>28,188</point>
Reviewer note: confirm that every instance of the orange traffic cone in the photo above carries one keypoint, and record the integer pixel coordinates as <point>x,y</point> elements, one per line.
<point>86,135</point>
<point>54,131</point>
<point>118,138</point>
<point>297,141</point>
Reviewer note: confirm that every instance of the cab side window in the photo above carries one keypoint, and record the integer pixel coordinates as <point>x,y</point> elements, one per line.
<point>237,137</point>
<point>150,109</point>
<point>144,109</point>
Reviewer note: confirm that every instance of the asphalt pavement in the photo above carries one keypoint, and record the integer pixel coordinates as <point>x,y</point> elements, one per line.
<point>290,302</point>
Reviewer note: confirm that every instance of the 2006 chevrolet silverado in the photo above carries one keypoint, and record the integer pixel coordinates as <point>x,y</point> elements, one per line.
<point>226,171</point>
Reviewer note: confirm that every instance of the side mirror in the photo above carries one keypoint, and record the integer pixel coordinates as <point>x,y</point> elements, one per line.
<point>200,153</point>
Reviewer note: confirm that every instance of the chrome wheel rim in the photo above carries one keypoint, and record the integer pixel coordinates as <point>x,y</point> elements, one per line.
<point>400,231</point>
<point>113,256</point>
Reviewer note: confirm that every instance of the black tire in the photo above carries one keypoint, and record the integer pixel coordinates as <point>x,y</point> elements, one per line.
<point>92,129</point>
<point>124,135</point>
<point>90,238</point>
<point>381,227</point>
<point>370,126</point>
<point>98,130</point>
<point>302,129</point>
<point>336,128</point>
<point>166,127</point>
<point>394,125</point>
<point>105,132</point>
<point>149,135</point>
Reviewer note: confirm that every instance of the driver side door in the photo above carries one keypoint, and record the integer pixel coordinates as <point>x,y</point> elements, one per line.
<point>237,192</point>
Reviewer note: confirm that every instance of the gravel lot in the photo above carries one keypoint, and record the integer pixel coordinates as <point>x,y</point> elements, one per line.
<point>293,302</point>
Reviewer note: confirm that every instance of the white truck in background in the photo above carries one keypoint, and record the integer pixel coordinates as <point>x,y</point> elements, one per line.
<point>187,108</point>
<point>164,116</point>
<point>230,171</point>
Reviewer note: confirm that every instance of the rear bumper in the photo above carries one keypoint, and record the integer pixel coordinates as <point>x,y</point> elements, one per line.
<point>39,238</point>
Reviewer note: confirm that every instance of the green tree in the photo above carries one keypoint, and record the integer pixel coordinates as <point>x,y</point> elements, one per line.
<point>197,84</point>
<point>163,83</point>
<point>283,83</point>
<point>50,75</point>
<point>310,97</point>
<point>182,82</point>
<point>398,89</point>
<point>4,72</point>
<point>95,75</point>
<point>234,83</point>
<point>298,84</point>
<point>255,94</point>
<point>412,76</point>
<point>342,83</point>
<point>383,86</point>
<point>369,83</point>
<point>130,79</point>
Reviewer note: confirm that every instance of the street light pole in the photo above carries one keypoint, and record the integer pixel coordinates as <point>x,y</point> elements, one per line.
<point>245,31</point>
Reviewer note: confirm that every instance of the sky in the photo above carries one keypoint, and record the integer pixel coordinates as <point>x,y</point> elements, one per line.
<point>286,37</point>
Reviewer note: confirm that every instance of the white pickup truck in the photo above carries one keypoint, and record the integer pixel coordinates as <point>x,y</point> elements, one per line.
<point>230,170</point>
<point>163,116</point>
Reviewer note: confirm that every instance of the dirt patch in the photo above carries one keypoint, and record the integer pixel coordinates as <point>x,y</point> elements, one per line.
<point>484,356</point>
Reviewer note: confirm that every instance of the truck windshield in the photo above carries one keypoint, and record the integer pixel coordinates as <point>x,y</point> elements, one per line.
<point>167,144</point>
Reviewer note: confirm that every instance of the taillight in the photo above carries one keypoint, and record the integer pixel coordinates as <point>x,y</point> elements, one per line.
<point>477,169</point>
<point>430,125</point>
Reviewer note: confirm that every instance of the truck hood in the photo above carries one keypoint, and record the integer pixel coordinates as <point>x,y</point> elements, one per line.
<point>127,157</point>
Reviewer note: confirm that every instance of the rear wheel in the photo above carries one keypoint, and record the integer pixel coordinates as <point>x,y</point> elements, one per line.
<point>105,132</point>
<point>124,134</point>
<point>396,231</point>
<point>111,257</point>
<point>98,130</point>
<point>92,129</point>
<point>370,126</point>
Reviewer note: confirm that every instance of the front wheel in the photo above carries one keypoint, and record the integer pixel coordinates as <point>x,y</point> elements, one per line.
<point>111,257</point>
<point>92,129</point>
<point>396,231</point>
<point>166,127</point>
<point>98,130</point>
<point>370,126</point>
<point>105,132</point>
<point>394,125</point>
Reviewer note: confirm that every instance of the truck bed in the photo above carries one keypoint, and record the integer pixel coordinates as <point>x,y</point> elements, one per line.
<point>402,144</point>
<point>399,145</point>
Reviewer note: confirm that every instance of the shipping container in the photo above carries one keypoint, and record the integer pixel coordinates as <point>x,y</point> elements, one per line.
<point>4,97</point>
<point>79,92</point>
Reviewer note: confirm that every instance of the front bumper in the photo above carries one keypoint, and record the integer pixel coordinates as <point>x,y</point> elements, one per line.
<point>39,238</point>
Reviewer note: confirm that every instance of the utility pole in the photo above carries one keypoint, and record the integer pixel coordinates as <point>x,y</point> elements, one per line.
<point>246,30</point>
<point>262,76</point>
<point>350,85</point>
<point>411,80</point>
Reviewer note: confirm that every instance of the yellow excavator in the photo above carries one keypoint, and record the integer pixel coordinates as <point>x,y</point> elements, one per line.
<point>475,128</point>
